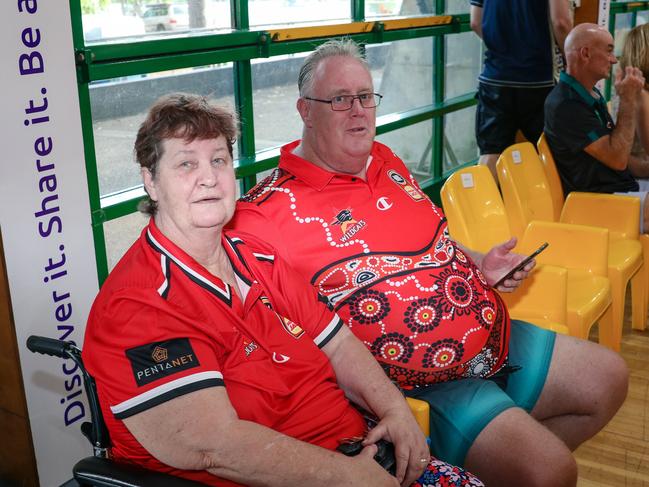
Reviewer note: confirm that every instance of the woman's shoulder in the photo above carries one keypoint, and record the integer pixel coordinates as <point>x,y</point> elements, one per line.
<point>253,244</point>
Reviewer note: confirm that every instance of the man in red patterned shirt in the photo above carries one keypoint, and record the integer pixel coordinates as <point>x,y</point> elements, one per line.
<point>345,211</point>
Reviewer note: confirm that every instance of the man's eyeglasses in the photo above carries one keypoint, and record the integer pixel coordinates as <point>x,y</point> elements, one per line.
<point>341,103</point>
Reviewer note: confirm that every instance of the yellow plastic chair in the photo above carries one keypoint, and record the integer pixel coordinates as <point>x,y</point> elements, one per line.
<point>588,287</point>
<point>474,210</point>
<point>580,208</point>
<point>552,175</point>
<point>528,198</point>
<point>476,219</point>
<point>421,411</point>
<point>541,299</point>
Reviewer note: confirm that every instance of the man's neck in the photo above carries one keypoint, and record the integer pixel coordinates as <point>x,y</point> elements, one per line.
<point>307,152</point>
<point>584,80</point>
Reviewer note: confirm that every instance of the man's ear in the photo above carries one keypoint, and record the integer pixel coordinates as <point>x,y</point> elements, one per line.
<point>149,183</point>
<point>584,52</point>
<point>304,109</point>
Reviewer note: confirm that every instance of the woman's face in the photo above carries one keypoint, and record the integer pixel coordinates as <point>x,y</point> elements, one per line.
<point>194,186</point>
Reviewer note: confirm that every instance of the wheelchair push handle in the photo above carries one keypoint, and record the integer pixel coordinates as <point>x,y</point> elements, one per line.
<point>48,346</point>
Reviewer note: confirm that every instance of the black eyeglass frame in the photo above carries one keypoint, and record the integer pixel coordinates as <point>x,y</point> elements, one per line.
<point>376,96</point>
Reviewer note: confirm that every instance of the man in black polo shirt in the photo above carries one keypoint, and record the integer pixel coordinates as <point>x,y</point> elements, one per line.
<point>593,153</point>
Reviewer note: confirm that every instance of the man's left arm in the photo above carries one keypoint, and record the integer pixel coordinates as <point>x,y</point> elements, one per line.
<point>365,384</point>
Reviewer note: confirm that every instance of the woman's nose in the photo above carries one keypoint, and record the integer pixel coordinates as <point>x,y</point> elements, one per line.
<point>207,175</point>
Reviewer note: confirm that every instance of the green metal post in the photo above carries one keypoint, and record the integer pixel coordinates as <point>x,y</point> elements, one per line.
<point>358,10</point>
<point>611,28</point>
<point>243,95</point>
<point>89,144</point>
<point>439,68</point>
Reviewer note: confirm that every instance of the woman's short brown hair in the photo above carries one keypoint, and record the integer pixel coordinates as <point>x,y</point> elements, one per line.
<point>183,116</point>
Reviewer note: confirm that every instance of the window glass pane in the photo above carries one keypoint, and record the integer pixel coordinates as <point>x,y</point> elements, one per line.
<point>120,235</point>
<point>385,8</point>
<point>287,12</point>
<point>412,145</point>
<point>460,144</point>
<point>120,105</point>
<point>458,6</point>
<point>379,8</point>
<point>623,24</point>
<point>403,74</point>
<point>274,91</point>
<point>463,63</point>
<point>117,21</point>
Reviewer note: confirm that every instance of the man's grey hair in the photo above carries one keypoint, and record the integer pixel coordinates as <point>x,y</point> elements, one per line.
<point>331,48</point>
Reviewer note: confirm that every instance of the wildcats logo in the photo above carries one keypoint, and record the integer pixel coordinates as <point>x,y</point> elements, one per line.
<point>348,226</point>
<point>291,327</point>
<point>413,192</point>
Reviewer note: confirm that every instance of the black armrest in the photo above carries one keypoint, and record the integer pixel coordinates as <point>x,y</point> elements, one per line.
<point>101,472</point>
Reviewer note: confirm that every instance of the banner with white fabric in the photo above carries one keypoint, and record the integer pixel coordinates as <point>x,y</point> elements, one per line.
<point>45,221</point>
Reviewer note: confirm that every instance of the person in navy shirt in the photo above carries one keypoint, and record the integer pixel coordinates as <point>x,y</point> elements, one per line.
<point>518,70</point>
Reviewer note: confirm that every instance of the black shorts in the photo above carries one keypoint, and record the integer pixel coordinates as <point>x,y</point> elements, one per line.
<point>502,110</point>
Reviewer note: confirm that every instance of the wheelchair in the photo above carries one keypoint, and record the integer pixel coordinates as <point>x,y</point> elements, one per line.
<point>99,470</point>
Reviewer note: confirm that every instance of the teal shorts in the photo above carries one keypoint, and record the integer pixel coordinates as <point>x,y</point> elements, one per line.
<point>459,410</point>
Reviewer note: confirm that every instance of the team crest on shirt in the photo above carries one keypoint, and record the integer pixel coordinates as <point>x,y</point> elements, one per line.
<point>291,327</point>
<point>405,185</point>
<point>349,226</point>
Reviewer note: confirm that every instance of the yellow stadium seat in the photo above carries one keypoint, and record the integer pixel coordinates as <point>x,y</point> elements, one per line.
<point>552,175</point>
<point>588,287</point>
<point>476,219</point>
<point>421,411</point>
<point>527,197</point>
<point>474,209</point>
<point>578,207</point>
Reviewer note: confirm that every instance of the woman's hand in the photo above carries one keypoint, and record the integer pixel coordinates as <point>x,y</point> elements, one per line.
<point>369,471</point>
<point>410,448</point>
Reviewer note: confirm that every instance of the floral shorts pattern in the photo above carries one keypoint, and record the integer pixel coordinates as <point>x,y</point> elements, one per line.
<point>442,474</point>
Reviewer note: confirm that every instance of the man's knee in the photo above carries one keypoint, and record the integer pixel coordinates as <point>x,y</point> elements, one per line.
<point>556,470</point>
<point>514,450</point>
<point>544,463</point>
<point>613,383</point>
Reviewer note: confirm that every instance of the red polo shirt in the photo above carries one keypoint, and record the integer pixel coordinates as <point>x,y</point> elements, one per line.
<point>163,326</point>
<point>379,251</point>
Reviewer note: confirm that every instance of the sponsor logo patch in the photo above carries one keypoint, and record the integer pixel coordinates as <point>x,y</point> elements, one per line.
<point>291,327</point>
<point>161,359</point>
<point>403,183</point>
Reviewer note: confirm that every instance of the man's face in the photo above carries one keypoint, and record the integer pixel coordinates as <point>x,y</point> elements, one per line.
<point>340,140</point>
<point>601,55</point>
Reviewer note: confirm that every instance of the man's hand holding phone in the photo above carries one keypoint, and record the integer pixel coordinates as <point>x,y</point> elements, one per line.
<point>521,266</point>
<point>505,270</point>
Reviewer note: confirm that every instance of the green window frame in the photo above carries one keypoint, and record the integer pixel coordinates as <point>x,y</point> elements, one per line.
<point>97,62</point>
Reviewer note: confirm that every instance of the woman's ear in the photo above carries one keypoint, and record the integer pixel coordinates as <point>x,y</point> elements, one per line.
<point>149,183</point>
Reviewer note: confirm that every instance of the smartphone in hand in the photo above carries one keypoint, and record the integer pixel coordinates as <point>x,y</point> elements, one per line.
<point>521,265</point>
